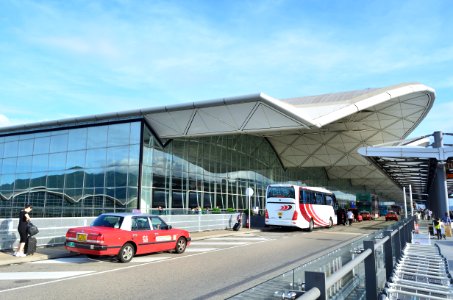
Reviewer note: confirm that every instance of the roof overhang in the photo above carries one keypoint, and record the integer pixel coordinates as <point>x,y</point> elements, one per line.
<point>322,131</point>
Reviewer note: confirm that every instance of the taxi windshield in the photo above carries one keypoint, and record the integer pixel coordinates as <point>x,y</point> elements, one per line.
<point>108,221</point>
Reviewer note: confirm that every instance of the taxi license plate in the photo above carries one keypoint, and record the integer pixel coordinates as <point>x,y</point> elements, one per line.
<point>81,237</point>
<point>70,244</point>
<point>280,214</point>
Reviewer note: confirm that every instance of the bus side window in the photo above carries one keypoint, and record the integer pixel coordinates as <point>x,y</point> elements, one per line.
<point>301,196</point>
<point>319,198</point>
<point>329,200</point>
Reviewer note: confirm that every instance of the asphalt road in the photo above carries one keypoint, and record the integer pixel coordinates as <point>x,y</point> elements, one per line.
<point>215,268</point>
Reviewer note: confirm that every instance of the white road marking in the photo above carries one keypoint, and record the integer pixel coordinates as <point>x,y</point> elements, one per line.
<point>142,259</point>
<point>108,271</point>
<point>239,239</point>
<point>66,260</point>
<point>190,249</point>
<point>41,275</point>
<point>217,243</point>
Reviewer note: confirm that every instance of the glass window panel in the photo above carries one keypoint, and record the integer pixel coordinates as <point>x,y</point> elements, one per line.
<point>75,159</point>
<point>11,148</point>
<point>24,164</point>
<point>135,133</point>
<point>134,155</point>
<point>132,178</point>
<point>177,200</point>
<point>116,177</point>
<point>74,180</point>
<point>9,165</point>
<point>59,143</point>
<point>147,177</point>
<point>57,161</point>
<point>25,147</point>
<point>40,163</point>
<point>94,178</point>
<point>74,194</point>
<point>55,180</point>
<point>77,139</point>
<point>117,156</point>
<point>38,180</point>
<point>97,137</point>
<point>22,181</point>
<point>7,181</point>
<point>95,158</point>
<point>132,194</point>
<point>41,145</point>
<point>118,134</point>
<point>2,148</point>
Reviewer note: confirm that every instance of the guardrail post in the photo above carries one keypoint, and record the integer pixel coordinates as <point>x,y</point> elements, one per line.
<point>388,255</point>
<point>370,272</point>
<point>317,280</point>
<point>397,241</point>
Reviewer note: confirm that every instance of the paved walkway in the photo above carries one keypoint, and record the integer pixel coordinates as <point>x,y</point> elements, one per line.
<point>43,253</point>
<point>445,246</point>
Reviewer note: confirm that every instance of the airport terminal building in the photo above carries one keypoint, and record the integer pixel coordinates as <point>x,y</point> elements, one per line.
<point>205,154</point>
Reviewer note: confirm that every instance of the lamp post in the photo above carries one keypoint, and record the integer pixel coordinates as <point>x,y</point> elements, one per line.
<point>249,193</point>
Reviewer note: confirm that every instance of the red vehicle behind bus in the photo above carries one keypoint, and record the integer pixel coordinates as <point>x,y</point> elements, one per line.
<point>299,206</point>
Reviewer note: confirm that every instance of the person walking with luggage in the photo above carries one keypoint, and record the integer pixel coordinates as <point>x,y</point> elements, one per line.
<point>24,219</point>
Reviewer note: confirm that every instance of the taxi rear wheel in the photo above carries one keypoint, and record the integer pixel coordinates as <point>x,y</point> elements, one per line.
<point>126,253</point>
<point>181,245</point>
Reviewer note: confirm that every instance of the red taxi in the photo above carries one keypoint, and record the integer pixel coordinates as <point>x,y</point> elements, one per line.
<point>365,215</point>
<point>126,234</point>
<point>391,215</point>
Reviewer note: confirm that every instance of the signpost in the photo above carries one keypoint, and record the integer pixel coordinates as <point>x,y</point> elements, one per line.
<point>249,193</point>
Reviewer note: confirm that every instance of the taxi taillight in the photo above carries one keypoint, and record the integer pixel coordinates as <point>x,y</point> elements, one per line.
<point>70,234</point>
<point>266,214</point>
<point>295,215</point>
<point>97,238</point>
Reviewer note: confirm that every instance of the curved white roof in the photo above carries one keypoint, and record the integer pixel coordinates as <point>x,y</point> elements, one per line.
<point>317,131</point>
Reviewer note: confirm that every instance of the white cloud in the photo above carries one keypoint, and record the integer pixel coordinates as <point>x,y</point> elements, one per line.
<point>4,121</point>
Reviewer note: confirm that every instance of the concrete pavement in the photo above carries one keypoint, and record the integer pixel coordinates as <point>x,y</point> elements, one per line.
<point>43,253</point>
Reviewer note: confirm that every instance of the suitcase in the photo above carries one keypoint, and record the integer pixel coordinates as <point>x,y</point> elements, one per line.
<point>448,230</point>
<point>30,245</point>
<point>237,226</point>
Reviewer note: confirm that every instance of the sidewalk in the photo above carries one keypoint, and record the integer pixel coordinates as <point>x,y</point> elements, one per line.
<point>43,253</point>
<point>445,246</point>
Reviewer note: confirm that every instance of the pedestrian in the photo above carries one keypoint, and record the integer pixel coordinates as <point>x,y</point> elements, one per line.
<point>24,219</point>
<point>436,224</point>
<point>350,217</point>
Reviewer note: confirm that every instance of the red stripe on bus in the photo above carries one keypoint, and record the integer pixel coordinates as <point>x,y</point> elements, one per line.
<point>317,219</point>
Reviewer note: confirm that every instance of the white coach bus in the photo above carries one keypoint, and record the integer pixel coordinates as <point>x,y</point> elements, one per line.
<point>299,206</point>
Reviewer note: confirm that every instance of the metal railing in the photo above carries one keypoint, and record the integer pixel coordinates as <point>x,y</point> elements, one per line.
<point>317,284</point>
<point>358,270</point>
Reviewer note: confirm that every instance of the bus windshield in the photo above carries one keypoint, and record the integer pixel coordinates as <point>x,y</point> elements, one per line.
<point>281,192</point>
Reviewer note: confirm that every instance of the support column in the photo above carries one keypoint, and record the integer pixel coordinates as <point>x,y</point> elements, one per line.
<point>440,178</point>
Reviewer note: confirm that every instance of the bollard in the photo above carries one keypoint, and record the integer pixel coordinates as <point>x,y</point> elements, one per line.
<point>370,272</point>
<point>316,280</point>
<point>388,255</point>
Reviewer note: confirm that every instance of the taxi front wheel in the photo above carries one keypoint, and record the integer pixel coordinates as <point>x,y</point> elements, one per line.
<point>181,245</point>
<point>126,253</point>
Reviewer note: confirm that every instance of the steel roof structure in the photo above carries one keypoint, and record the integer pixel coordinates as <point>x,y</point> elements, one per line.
<point>416,162</point>
<point>323,131</point>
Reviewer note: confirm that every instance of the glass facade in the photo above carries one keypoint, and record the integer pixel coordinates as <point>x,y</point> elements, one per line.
<point>71,172</point>
<point>120,167</point>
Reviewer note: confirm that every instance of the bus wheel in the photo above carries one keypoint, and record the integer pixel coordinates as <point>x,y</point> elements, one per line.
<point>330,223</point>
<point>310,226</point>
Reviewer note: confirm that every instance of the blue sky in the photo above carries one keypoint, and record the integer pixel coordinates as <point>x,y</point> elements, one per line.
<point>61,59</point>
